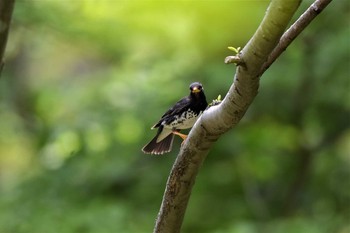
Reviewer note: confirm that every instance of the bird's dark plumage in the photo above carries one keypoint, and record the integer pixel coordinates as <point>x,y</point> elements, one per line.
<point>182,115</point>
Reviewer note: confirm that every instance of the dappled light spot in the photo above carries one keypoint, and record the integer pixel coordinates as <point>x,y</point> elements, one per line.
<point>51,98</point>
<point>97,138</point>
<point>14,159</point>
<point>54,154</point>
<point>128,129</point>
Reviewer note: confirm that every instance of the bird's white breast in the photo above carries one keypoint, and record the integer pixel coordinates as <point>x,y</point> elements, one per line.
<point>185,121</point>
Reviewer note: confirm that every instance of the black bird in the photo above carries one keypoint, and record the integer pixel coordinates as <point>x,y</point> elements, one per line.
<point>182,115</point>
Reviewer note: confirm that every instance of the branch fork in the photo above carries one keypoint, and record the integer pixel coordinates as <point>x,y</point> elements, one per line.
<point>222,117</point>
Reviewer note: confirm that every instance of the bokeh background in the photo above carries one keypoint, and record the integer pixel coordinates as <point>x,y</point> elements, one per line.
<point>85,80</point>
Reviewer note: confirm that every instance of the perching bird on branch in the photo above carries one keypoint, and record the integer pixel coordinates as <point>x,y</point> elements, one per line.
<point>182,115</point>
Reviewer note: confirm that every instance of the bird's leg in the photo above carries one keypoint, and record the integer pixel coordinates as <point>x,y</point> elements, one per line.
<point>183,136</point>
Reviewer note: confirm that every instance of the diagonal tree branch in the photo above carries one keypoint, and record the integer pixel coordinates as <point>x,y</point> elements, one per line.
<point>6,9</point>
<point>219,119</point>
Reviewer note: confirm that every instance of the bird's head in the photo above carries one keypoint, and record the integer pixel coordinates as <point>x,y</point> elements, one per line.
<point>196,87</point>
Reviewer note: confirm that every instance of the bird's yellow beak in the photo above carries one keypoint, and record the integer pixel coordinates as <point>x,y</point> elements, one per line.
<point>195,90</point>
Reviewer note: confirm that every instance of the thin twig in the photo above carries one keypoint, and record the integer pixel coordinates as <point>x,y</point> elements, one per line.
<point>287,38</point>
<point>6,9</point>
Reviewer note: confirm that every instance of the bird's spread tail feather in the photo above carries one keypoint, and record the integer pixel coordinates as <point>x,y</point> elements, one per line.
<point>161,147</point>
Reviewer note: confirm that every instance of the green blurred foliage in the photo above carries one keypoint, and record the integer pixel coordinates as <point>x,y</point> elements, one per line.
<point>85,80</point>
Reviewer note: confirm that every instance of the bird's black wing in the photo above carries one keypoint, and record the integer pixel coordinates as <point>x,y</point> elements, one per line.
<point>181,106</point>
